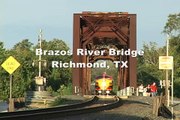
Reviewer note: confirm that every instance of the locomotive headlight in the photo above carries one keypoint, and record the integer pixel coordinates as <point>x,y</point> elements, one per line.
<point>107,91</point>
<point>103,84</point>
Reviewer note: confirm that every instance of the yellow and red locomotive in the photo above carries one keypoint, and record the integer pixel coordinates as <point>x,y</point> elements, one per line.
<point>104,84</point>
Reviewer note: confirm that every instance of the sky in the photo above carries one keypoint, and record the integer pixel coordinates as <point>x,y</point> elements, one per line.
<point>22,19</point>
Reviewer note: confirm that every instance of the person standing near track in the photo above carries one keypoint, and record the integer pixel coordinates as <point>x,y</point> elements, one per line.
<point>141,90</point>
<point>153,89</point>
<point>148,90</point>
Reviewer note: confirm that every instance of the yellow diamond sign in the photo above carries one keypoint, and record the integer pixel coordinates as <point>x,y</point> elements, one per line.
<point>10,64</point>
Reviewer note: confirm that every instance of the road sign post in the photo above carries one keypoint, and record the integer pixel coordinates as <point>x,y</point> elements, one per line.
<point>10,65</point>
<point>166,63</point>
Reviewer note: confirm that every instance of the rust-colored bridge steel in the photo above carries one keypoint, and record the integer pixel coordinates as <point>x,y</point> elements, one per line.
<point>97,31</point>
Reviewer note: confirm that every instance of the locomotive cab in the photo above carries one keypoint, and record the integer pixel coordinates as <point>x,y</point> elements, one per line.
<point>103,84</point>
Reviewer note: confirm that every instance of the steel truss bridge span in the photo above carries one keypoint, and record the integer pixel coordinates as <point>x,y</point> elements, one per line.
<point>104,31</point>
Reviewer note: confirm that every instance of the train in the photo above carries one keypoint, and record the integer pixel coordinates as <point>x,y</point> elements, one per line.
<point>103,84</point>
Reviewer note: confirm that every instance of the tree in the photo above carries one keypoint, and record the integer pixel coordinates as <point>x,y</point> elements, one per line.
<point>23,76</point>
<point>56,76</point>
<point>4,79</point>
<point>172,28</point>
<point>148,70</point>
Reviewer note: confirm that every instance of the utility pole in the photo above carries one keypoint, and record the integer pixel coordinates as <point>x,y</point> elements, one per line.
<point>40,46</point>
<point>172,92</point>
<point>172,84</point>
<point>40,80</point>
<point>166,83</point>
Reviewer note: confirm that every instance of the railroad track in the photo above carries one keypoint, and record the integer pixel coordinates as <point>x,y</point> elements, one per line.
<point>57,112</point>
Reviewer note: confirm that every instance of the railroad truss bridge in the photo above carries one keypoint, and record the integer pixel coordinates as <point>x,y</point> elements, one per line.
<point>101,31</point>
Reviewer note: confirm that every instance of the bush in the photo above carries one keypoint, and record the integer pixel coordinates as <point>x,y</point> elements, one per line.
<point>177,88</point>
<point>68,89</point>
<point>65,90</point>
<point>58,101</point>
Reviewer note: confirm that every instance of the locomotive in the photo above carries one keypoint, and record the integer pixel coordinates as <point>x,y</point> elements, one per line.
<point>103,84</point>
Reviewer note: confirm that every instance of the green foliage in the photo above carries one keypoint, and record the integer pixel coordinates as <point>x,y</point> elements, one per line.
<point>4,79</point>
<point>49,89</point>
<point>148,65</point>
<point>24,52</point>
<point>56,76</point>
<point>67,89</point>
<point>23,77</point>
<point>177,87</point>
<point>58,101</point>
<point>172,26</point>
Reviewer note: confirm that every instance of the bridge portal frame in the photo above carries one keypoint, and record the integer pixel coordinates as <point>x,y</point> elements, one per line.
<point>81,76</point>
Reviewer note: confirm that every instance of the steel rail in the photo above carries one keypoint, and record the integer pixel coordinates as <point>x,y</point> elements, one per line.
<point>46,115</point>
<point>11,115</point>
